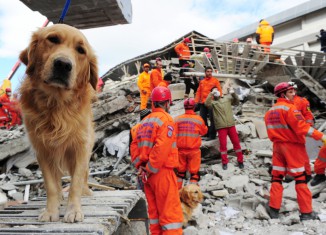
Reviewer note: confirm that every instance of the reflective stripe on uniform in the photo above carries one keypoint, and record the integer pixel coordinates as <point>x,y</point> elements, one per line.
<point>187,134</point>
<point>152,169</point>
<point>153,221</point>
<point>238,150</point>
<point>137,159</point>
<point>310,131</point>
<point>278,126</point>
<point>279,168</point>
<point>321,159</point>
<point>153,119</point>
<point>171,226</point>
<point>145,143</point>
<point>296,170</point>
<point>283,107</point>
<point>224,152</point>
<point>309,121</point>
<point>188,120</point>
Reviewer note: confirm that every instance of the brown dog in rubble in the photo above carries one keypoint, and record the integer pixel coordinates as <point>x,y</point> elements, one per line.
<point>56,99</point>
<point>190,197</point>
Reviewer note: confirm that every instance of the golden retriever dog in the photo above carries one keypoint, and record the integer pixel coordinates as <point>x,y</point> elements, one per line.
<point>56,96</point>
<point>190,197</point>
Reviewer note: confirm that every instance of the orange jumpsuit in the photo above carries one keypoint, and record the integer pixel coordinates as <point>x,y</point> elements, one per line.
<point>182,51</point>
<point>320,163</point>
<point>189,128</point>
<point>265,31</point>
<point>303,106</point>
<point>287,129</point>
<point>144,85</point>
<point>205,87</point>
<point>156,148</point>
<point>155,78</point>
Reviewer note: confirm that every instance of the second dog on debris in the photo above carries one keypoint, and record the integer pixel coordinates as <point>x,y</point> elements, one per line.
<point>190,197</point>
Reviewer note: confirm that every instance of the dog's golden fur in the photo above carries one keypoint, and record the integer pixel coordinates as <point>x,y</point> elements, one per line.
<point>190,197</point>
<point>56,96</point>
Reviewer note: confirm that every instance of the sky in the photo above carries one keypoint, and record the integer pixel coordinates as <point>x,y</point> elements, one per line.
<point>155,23</point>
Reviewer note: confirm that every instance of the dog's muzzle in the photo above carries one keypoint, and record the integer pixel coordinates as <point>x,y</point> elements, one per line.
<point>61,71</point>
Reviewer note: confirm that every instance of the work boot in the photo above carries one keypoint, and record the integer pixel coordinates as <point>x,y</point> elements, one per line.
<point>225,166</point>
<point>319,178</point>
<point>273,213</point>
<point>308,178</point>
<point>241,166</point>
<point>308,216</point>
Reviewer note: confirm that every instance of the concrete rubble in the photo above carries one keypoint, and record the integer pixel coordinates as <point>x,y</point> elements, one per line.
<point>234,200</point>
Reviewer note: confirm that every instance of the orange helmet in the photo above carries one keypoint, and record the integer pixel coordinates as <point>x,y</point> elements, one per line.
<point>283,87</point>
<point>189,103</point>
<point>160,93</point>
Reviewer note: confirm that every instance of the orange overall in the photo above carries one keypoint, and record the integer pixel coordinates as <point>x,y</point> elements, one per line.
<point>320,163</point>
<point>265,31</point>
<point>303,105</point>
<point>156,148</point>
<point>189,128</point>
<point>287,129</point>
<point>144,85</point>
<point>155,78</point>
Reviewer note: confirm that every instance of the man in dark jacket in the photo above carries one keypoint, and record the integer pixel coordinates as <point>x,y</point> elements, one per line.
<point>224,123</point>
<point>322,39</point>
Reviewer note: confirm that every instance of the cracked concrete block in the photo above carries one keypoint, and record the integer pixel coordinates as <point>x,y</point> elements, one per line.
<point>264,153</point>
<point>224,174</point>
<point>290,219</point>
<point>220,193</point>
<point>190,230</point>
<point>258,181</point>
<point>237,181</point>
<point>289,206</point>
<point>261,212</point>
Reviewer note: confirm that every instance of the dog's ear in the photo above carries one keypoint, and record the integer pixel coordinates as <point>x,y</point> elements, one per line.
<point>93,74</point>
<point>27,56</point>
<point>184,195</point>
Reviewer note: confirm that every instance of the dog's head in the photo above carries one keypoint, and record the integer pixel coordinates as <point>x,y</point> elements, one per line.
<point>60,56</point>
<point>191,195</point>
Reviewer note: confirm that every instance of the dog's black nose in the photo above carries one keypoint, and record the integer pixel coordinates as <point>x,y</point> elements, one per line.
<point>62,64</point>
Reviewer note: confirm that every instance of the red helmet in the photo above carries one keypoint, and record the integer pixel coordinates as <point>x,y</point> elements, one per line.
<point>189,103</point>
<point>161,93</point>
<point>206,49</point>
<point>8,89</point>
<point>186,40</point>
<point>283,87</point>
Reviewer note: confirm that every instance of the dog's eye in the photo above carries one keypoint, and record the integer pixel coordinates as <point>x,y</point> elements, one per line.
<point>81,50</point>
<point>196,191</point>
<point>54,39</point>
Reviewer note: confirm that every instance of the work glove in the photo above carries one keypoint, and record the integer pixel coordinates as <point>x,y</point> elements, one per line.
<point>216,93</point>
<point>324,139</point>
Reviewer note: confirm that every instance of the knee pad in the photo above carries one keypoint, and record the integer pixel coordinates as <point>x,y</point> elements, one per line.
<point>277,179</point>
<point>181,175</point>
<point>195,176</point>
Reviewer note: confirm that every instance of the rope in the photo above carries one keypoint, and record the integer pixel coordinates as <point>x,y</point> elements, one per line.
<point>64,12</point>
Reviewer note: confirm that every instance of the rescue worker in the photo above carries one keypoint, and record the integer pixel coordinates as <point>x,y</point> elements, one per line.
<point>189,127</point>
<point>224,123</point>
<point>183,51</point>
<point>320,166</point>
<point>144,85</point>
<point>167,80</point>
<point>5,98</point>
<point>5,114</point>
<point>322,39</point>
<point>134,152</point>
<point>157,157</point>
<point>204,88</point>
<point>287,129</point>
<point>207,52</point>
<point>156,75</point>
<point>303,105</point>
<point>265,35</point>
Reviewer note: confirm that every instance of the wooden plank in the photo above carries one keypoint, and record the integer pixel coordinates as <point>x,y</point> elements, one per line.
<point>261,65</point>
<point>252,62</point>
<point>225,57</point>
<point>316,65</point>
<point>235,51</point>
<point>215,59</point>
<point>245,55</point>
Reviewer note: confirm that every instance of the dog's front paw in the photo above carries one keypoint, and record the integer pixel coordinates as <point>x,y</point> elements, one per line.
<point>87,191</point>
<point>47,216</point>
<point>73,214</point>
